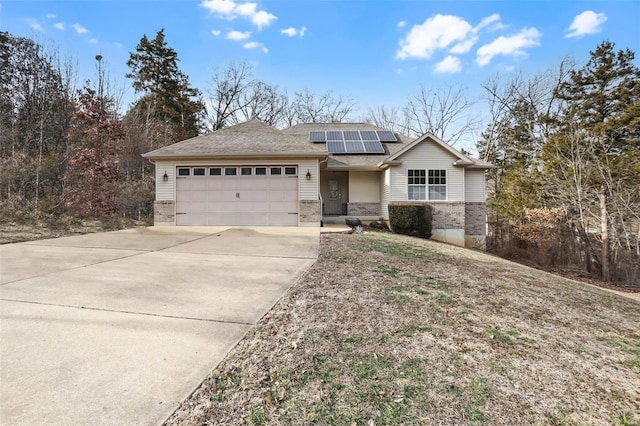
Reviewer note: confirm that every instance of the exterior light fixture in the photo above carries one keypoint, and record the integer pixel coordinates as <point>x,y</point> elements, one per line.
<point>308,175</point>
<point>165,177</point>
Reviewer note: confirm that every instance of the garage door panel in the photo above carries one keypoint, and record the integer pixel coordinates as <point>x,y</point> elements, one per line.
<point>191,219</point>
<point>250,207</point>
<point>282,219</point>
<point>213,219</point>
<point>251,182</point>
<point>257,200</point>
<point>283,183</point>
<point>218,196</point>
<point>254,195</point>
<point>252,219</point>
<point>288,207</point>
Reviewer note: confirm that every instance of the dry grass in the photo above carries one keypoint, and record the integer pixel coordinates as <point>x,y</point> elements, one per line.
<point>55,227</point>
<point>386,329</point>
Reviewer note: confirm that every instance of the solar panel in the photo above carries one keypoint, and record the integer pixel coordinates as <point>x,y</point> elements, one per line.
<point>334,135</point>
<point>335,147</point>
<point>373,147</point>
<point>317,136</point>
<point>386,136</point>
<point>351,135</point>
<point>369,135</point>
<point>354,147</point>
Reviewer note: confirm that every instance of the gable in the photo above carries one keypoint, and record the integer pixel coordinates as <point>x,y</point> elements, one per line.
<point>428,153</point>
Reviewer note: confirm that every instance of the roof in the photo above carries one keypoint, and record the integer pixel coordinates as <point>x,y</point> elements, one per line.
<point>257,139</point>
<point>368,161</point>
<point>249,139</point>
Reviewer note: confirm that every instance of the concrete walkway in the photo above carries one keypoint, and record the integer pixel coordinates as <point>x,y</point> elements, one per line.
<point>119,327</point>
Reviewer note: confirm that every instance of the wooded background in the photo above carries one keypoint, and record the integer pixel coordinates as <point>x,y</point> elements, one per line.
<point>565,193</point>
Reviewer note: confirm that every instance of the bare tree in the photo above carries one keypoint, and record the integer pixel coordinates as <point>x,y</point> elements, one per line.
<point>307,107</point>
<point>445,113</point>
<point>387,117</point>
<point>262,101</point>
<point>228,94</point>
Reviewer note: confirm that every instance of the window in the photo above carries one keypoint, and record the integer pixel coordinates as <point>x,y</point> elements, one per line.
<point>184,172</point>
<point>290,171</point>
<point>245,171</point>
<point>276,170</point>
<point>437,184</point>
<point>230,171</point>
<point>416,180</point>
<point>198,171</point>
<point>261,171</point>
<point>215,171</point>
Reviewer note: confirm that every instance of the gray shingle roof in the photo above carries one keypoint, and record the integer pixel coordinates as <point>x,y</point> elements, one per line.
<point>257,139</point>
<point>251,138</point>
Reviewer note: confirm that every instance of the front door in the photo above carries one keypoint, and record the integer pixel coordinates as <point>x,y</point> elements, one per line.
<point>335,192</point>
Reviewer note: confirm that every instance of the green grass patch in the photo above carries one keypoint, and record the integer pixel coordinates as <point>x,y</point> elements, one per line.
<point>443,299</point>
<point>506,338</point>
<point>382,243</point>
<point>388,270</point>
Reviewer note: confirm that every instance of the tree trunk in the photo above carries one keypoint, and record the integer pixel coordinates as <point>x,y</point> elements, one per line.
<point>604,233</point>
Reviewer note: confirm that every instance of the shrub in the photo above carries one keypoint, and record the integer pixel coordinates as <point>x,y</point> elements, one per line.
<point>411,218</point>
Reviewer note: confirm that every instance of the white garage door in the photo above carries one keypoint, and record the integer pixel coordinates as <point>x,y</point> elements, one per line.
<point>237,195</point>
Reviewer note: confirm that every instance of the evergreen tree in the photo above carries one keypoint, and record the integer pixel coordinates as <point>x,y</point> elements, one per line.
<point>166,93</point>
<point>595,153</point>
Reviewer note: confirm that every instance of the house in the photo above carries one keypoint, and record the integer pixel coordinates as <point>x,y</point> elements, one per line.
<point>309,174</point>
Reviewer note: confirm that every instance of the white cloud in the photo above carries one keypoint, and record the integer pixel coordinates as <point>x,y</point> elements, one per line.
<point>51,16</point>
<point>437,32</point>
<point>464,46</point>
<point>93,40</point>
<point>34,24</point>
<point>59,26</point>
<point>292,32</point>
<point>402,24</point>
<point>587,22</point>
<point>230,9</point>
<point>255,45</point>
<point>513,45</point>
<point>492,21</point>
<point>80,29</point>
<point>238,35</point>
<point>215,32</point>
<point>443,32</point>
<point>263,19</point>
<point>449,65</point>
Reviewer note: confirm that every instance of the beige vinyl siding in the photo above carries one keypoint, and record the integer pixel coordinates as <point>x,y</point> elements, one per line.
<point>165,191</point>
<point>475,186</point>
<point>427,156</point>
<point>364,187</point>
<point>308,189</point>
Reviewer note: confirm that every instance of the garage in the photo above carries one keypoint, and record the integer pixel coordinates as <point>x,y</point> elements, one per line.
<point>237,195</point>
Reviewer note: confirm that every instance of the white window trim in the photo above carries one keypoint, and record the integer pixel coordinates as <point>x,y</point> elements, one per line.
<point>439,185</point>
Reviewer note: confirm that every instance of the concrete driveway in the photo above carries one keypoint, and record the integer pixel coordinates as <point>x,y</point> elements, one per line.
<point>119,327</point>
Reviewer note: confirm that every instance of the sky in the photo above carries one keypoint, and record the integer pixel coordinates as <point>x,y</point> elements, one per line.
<point>375,52</point>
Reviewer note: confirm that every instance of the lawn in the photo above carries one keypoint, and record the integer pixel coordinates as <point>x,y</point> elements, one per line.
<point>392,330</point>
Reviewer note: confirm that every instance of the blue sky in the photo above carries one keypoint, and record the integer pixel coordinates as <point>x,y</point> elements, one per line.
<point>376,52</point>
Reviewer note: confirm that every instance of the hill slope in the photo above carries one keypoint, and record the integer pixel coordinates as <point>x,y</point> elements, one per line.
<point>387,329</point>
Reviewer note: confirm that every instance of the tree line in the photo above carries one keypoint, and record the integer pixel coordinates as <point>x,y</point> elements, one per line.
<point>566,143</point>
<point>565,192</point>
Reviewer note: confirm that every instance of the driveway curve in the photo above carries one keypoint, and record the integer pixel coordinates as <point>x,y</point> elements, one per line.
<point>119,327</point>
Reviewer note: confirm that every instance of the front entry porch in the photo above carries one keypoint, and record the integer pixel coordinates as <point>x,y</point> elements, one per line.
<point>353,194</point>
